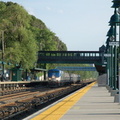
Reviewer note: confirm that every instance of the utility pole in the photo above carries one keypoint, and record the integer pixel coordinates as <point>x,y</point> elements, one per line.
<point>2,56</point>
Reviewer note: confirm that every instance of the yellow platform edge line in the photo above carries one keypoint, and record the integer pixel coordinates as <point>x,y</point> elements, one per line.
<point>58,110</point>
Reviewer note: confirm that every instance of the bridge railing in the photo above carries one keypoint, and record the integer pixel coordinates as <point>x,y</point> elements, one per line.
<point>69,56</point>
<point>70,53</point>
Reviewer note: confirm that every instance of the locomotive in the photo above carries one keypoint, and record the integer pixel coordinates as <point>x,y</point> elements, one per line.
<point>57,78</point>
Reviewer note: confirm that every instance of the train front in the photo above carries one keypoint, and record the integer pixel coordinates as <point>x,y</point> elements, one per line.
<point>54,76</point>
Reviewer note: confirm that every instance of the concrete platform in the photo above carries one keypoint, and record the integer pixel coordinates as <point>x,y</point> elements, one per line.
<point>89,103</point>
<point>96,104</point>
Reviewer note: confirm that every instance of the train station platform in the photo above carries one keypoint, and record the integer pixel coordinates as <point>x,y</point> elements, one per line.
<point>89,103</point>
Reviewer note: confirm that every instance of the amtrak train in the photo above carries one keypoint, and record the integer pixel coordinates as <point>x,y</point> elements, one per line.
<point>57,78</point>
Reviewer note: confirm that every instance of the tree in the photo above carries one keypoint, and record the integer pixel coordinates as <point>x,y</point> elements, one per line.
<point>24,35</point>
<point>19,42</point>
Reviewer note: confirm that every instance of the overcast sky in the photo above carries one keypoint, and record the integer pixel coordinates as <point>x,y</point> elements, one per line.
<point>80,24</point>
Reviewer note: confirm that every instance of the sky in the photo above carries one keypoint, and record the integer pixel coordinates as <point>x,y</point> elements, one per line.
<point>81,24</point>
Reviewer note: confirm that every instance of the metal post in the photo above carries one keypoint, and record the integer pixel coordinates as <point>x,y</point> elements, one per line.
<point>118,66</point>
<point>109,70</point>
<point>115,62</point>
<point>2,56</point>
<point>119,88</point>
<point>44,72</point>
<point>111,67</point>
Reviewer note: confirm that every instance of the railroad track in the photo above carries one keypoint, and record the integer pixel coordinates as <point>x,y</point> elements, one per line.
<point>11,105</point>
<point>22,95</point>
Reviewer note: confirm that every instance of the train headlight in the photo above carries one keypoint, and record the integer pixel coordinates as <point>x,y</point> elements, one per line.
<point>53,76</point>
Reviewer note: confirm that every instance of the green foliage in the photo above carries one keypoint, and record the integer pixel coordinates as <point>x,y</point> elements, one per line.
<point>60,45</point>
<point>24,35</point>
<point>2,7</point>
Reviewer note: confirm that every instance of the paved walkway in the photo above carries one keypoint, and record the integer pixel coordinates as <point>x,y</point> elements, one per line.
<point>89,103</point>
<point>96,104</point>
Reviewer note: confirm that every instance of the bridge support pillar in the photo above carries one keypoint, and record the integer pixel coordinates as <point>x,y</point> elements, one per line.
<point>44,72</point>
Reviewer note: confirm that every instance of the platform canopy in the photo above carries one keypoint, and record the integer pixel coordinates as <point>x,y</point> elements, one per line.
<point>38,69</point>
<point>64,68</point>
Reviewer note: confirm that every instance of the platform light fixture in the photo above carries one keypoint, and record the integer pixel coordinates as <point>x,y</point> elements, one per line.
<point>116,4</point>
<point>114,20</point>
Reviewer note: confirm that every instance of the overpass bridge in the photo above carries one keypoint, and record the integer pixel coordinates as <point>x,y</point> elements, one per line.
<point>73,57</point>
